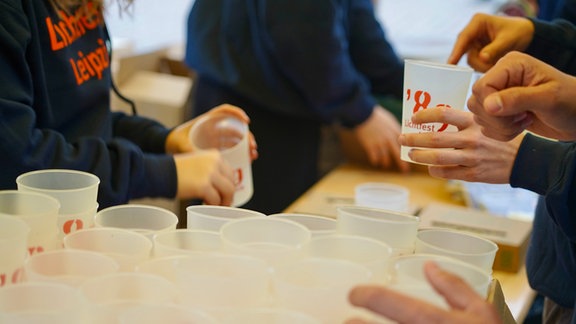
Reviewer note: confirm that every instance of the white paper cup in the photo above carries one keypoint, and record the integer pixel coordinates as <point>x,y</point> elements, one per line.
<point>366,251</point>
<point>211,218</point>
<point>67,266</point>
<point>13,249</point>
<point>427,85</point>
<point>318,225</point>
<point>278,241</point>
<point>75,222</point>
<point>318,287</point>
<point>128,248</point>
<point>407,276</point>
<point>110,295</point>
<point>460,245</point>
<point>76,191</point>
<point>229,135</point>
<point>144,219</point>
<point>41,303</point>
<point>39,211</point>
<point>396,229</point>
<point>382,195</point>
<point>186,241</point>
<point>223,280</point>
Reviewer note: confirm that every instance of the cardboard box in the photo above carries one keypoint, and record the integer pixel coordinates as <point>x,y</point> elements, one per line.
<point>511,235</point>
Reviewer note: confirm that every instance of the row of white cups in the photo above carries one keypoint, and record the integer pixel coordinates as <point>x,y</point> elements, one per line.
<point>129,263</point>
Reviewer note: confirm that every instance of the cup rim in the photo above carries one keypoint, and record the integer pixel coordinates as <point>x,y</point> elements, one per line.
<point>88,175</point>
<point>409,219</point>
<point>452,67</point>
<point>493,246</point>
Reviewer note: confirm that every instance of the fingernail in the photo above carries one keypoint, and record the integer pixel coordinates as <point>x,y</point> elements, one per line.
<point>493,104</point>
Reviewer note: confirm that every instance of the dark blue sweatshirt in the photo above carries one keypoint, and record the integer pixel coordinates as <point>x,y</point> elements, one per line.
<point>549,168</point>
<point>54,106</point>
<point>318,60</point>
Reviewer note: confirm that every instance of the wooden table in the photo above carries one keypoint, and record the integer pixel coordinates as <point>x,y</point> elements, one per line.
<point>337,188</point>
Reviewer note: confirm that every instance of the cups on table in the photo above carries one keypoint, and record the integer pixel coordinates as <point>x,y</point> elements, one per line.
<point>318,225</point>
<point>13,249</point>
<point>108,296</point>
<point>128,248</point>
<point>398,230</point>
<point>229,135</point>
<point>144,219</point>
<point>41,303</point>
<point>76,191</point>
<point>222,280</point>
<point>366,251</point>
<point>39,211</point>
<point>318,287</point>
<point>276,240</point>
<point>186,241</point>
<point>382,195</point>
<point>407,276</point>
<point>460,245</point>
<point>211,218</point>
<point>68,266</point>
<point>431,84</point>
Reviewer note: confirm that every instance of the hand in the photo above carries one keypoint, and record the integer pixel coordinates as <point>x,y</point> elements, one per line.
<point>474,157</point>
<point>179,142</point>
<point>487,38</point>
<point>466,306</point>
<point>378,135</point>
<point>205,175</point>
<point>521,92</point>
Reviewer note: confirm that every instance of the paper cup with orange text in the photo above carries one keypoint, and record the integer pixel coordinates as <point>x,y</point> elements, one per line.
<point>431,84</point>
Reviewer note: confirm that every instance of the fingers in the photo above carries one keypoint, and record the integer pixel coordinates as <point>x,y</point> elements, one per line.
<point>442,114</point>
<point>394,305</point>
<point>454,289</point>
<point>224,184</point>
<point>230,110</point>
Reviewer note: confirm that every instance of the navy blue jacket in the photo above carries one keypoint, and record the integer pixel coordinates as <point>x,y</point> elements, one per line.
<point>549,169</point>
<point>319,60</point>
<point>54,107</point>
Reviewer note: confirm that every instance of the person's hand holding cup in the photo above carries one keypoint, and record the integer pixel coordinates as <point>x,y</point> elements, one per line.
<point>427,85</point>
<point>229,134</point>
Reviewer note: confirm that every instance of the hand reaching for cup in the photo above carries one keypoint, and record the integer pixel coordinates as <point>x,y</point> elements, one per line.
<point>178,140</point>
<point>487,38</point>
<point>466,306</point>
<point>205,175</point>
<point>521,92</point>
<point>378,135</point>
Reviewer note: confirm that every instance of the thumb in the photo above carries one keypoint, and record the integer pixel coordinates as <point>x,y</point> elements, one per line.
<point>516,100</point>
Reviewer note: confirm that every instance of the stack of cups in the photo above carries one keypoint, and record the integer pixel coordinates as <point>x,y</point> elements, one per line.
<point>382,195</point>
<point>460,245</point>
<point>407,276</point>
<point>144,219</point>
<point>13,249</point>
<point>75,190</point>
<point>39,211</point>
<point>396,229</point>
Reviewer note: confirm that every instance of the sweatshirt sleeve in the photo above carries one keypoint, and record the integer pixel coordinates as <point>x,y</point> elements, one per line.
<point>549,168</point>
<point>555,43</point>
<point>319,46</point>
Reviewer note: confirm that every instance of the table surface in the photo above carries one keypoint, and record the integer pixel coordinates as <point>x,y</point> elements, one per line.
<point>337,188</point>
